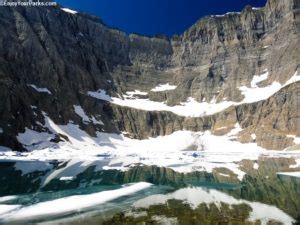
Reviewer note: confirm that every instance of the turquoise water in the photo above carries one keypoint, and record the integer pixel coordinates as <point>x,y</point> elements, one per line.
<point>169,200</point>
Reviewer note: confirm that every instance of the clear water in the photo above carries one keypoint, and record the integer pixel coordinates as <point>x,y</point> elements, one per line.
<point>199,198</point>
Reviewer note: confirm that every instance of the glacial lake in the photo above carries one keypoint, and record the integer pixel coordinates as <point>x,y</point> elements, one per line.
<point>55,192</point>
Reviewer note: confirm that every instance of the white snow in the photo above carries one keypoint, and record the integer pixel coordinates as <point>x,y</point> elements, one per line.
<point>292,174</point>
<point>80,112</point>
<point>253,136</point>
<point>175,151</point>
<point>72,169</point>
<point>63,206</point>
<point>237,128</point>
<point>100,94</point>
<point>258,94</point>
<point>255,166</point>
<point>31,137</point>
<point>4,149</point>
<point>293,79</point>
<point>228,13</point>
<point>69,10</point>
<point>192,108</point>
<point>96,121</point>
<point>85,118</point>
<point>259,78</point>
<point>255,94</point>
<point>27,167</point>
<point>296,138</point>
<point>196,196</point>
<point>8,198</point>
<point>119,152</point>
<point>136,92</point>
<point>224,175</point>
<point>43,90</point>
<point>297,164</point>
<point>163,220</point>
<point>8,208</point>
<point>66,178</point>
<point>164,87</point>
<point>266,213</point>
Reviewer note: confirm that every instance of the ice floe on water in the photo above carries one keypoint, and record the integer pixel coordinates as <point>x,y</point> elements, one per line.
<point>196,196</point>
<point>66,205</point>
<point>8,208</point>
<point>8,198</point>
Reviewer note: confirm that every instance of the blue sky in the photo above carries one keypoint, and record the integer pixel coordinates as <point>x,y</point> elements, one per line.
<point>152,17</point>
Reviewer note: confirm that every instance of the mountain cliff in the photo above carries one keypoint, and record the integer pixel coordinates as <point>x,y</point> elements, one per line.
<point>65,68</point>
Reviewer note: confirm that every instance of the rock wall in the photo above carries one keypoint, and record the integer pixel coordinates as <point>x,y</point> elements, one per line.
<point>71,54</point>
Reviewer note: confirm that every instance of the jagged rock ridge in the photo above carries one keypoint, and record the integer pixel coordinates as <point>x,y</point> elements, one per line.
<point>51,59</point>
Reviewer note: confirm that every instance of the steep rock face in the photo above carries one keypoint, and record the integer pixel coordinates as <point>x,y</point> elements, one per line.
<point>50,59</point>
<point>270,120</point>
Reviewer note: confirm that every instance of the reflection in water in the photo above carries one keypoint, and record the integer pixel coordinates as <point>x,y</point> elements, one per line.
<point>75,192</point>
<point>192,205</point>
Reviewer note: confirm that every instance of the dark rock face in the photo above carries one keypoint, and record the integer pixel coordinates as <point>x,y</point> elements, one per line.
<point>71,54</point>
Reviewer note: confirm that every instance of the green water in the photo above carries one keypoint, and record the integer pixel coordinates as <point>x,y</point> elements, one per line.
<point>258,186</point>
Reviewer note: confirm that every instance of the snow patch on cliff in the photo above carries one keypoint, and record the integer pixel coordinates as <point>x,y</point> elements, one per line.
<point>164,87</point>
<point>255,94</point>
<point>135,92</point>
<point>85,118</point>
<point>32,137</point>
<point>80,112</point>
<point>42,90</point>
<point>259,78</point>
<point>69,10</point>
<point>192,108</point>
